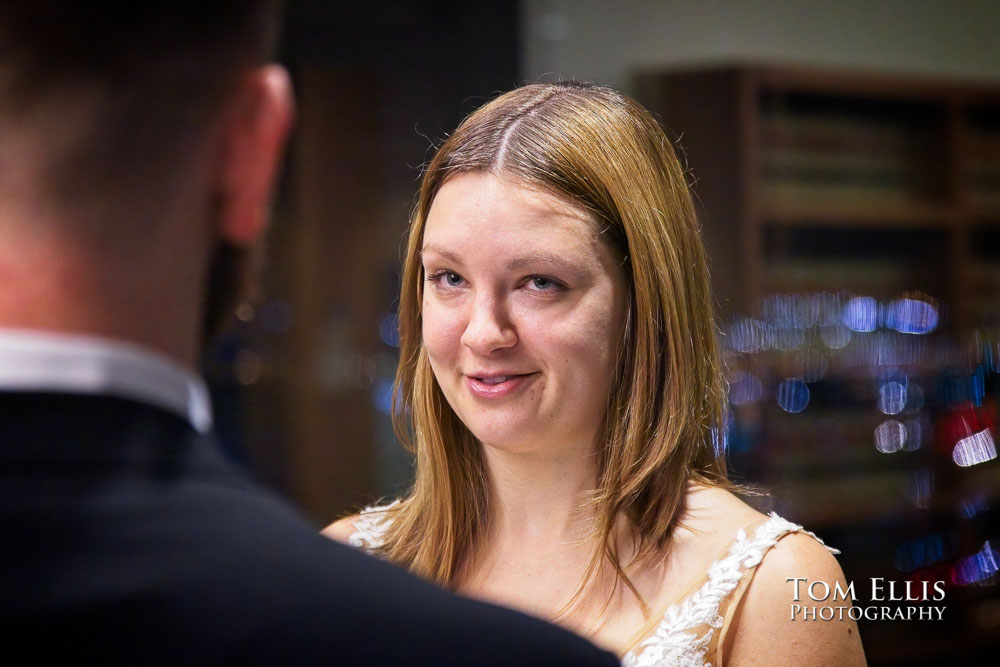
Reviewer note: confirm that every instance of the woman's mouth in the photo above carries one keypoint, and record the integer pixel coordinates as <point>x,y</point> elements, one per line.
<point>495,385</point>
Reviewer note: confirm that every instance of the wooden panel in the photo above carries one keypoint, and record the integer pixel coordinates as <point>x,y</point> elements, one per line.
<point>700,113</point>
<point>325,261</point>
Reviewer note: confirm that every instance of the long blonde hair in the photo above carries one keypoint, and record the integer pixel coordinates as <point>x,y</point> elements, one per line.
<point>603,152</point>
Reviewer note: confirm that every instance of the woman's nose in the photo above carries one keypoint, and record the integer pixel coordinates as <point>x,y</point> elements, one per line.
<point>489,327</point>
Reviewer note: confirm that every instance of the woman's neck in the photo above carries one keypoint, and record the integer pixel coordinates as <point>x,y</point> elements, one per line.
<point>538,500</point>
<point>539,540</point>
<point>540,545</point>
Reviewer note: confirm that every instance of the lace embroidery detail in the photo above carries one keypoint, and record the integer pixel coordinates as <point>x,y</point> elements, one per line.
<point>370,527</point>
<point>676,641</point>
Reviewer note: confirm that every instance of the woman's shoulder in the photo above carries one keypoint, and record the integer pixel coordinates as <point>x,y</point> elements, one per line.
<point>767,623</point>
<point>714,515</point>
<point>719,542</point>
<point>774,546</point>
<point>365,529</point>
<point>750,558</point>
<point>342,529</point>
<point>770,553</point>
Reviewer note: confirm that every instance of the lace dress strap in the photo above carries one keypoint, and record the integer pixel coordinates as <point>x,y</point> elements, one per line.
<point>687,634</point>
<point>732,601</point>
<point>370,527</point>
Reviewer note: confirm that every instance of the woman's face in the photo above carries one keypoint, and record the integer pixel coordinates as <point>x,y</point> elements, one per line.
<point>523,307</point>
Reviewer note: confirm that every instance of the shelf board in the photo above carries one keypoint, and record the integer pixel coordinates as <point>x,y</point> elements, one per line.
<point>873,84</point>
<point>838,214</point>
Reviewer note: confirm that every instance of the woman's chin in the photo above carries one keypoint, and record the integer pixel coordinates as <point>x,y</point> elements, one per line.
<point>521,443</point>
<point>512,442</point>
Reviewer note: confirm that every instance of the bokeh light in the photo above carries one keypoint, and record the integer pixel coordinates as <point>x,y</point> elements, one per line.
<point>892,398</point>
<point>890,436</point>
<point>978,567</point>
<point>748,335</point>
<point>835,336</point>
<point>972,504</point>
<point>793,395</point>
<point>388,330</point>
<point>924,551</point>
<point>974,449</point>
<point>745,388</point>
<point>381,393</point>
<point>861,314</point>
<point>911,316</point>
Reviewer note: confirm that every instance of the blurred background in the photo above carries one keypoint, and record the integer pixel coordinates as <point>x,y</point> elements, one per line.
<point>846,161</point>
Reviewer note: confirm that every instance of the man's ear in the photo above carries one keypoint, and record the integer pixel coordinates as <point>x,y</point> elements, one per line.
<point>253,143</point>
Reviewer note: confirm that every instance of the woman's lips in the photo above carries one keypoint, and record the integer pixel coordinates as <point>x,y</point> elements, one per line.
<point>497,386</point>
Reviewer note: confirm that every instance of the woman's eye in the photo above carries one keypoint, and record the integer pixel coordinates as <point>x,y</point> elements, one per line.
<point>445,279</point>
<point>543,283</point>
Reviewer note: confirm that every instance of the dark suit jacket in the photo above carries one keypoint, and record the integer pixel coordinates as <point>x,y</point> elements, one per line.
<point>126,538</point>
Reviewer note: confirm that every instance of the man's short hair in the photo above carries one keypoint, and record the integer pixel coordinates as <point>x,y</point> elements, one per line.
<point>148,76</point>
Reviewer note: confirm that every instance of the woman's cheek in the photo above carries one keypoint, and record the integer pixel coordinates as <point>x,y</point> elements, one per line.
<point>442,330</point>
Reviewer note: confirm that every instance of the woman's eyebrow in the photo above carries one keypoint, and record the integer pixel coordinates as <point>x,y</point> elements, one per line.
<point>446,255</point>
<point>542,258</point>
<point>562,261</point>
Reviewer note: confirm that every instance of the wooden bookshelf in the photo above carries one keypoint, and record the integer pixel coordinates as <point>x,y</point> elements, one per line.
<point>810,150</point>
<point>818,189</point>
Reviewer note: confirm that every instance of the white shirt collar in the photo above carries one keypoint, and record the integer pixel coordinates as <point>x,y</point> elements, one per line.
<point>46,361</point>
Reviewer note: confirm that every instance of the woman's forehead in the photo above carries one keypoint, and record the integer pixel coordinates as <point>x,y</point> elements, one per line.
<point>477,208</point>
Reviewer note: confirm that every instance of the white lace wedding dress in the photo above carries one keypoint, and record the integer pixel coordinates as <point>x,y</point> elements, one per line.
<point>688,633</point>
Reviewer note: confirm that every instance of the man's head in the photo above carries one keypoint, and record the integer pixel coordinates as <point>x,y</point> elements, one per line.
<point>142,134</point>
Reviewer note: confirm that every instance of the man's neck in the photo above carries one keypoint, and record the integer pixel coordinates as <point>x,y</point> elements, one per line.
<point>53,289</point>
